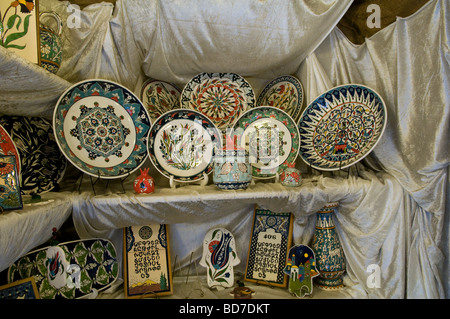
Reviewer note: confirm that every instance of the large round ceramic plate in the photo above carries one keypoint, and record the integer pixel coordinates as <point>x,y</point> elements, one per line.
<point>102,127</point>
<point>341,126</point>
<point>159,97</point>
<point>284,92</point>
<point>222,97</point>
<point>43,164</point>
<point>182,144</point>
<point>271,138</point>
<point>8,147</point>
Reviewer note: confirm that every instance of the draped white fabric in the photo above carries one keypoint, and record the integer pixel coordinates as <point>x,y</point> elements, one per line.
<point>408,64</point>
<point>396,218</point>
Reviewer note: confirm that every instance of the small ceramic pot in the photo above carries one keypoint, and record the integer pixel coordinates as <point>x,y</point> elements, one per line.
<point>144,183</point>
<point>232,171</point>
<point>51,45</point>
<point>291,176</point>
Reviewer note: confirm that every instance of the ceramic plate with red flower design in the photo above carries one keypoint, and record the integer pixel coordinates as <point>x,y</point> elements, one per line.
<point>222,97</point>
<point>102,127</point>
<point>284,92</point>
<point>159,97</point>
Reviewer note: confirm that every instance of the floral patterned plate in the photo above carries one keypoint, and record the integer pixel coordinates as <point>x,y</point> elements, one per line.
<point>182,144</point>
<point>43,165</point>
<point>285,93</point>
<point>222,97</point>
<point>102,127</point>
<point>159,97</point>
<point>341,126</point>
<point>271,138</point>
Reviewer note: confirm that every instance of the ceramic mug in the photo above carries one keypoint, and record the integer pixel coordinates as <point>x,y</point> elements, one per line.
<point>232,170</point>
<point>51,45</point>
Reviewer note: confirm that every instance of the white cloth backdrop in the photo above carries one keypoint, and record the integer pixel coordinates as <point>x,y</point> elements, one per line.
<point>394,218</point>
<point>408,64</point>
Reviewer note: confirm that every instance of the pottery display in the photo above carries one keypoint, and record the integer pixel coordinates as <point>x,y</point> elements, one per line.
<point>232,170</point>
<point>330,258</point>
<point>50,42</point>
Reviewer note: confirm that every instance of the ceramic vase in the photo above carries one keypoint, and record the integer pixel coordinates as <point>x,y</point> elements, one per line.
<point>144,184</point>
<point>291,176</point>
<point>50,42</point>
<point>232,170</point>
<point>330,258</point>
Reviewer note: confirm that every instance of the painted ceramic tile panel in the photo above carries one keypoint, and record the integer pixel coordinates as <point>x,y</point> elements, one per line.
<point>147,270</point>
<point>10,196</point>
<point>19,30</point>
<point>219,257</point>
<point>269,244</point>
<point>21,289</point>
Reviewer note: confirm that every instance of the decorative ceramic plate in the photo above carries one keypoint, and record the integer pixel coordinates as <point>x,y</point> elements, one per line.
<point>182,144</point>
<point>341,126</point>
<point>43,165</point>
<point>271,138</point>
<point>8,147</point>
<point>285,93</point>
<point>69,270</point>
<point>222,97</point>
<point>102,127</point>
<point>159,97</point>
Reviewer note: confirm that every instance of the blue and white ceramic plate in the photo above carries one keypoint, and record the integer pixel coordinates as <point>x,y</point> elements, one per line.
<point>271,138</point>
<point>102,127</point>
<point>222,97</point>
<point>182,144</point>
<point>341,126</point>
<point>284,92</point>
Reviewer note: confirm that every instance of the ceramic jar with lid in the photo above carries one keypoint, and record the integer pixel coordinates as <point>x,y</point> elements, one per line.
<point>232,170</point>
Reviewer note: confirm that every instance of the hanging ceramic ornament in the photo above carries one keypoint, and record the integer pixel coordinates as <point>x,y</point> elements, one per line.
<point>301,269</point>
<point>329,254</point>
<point>219,257</point>
<point>144,183</point>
